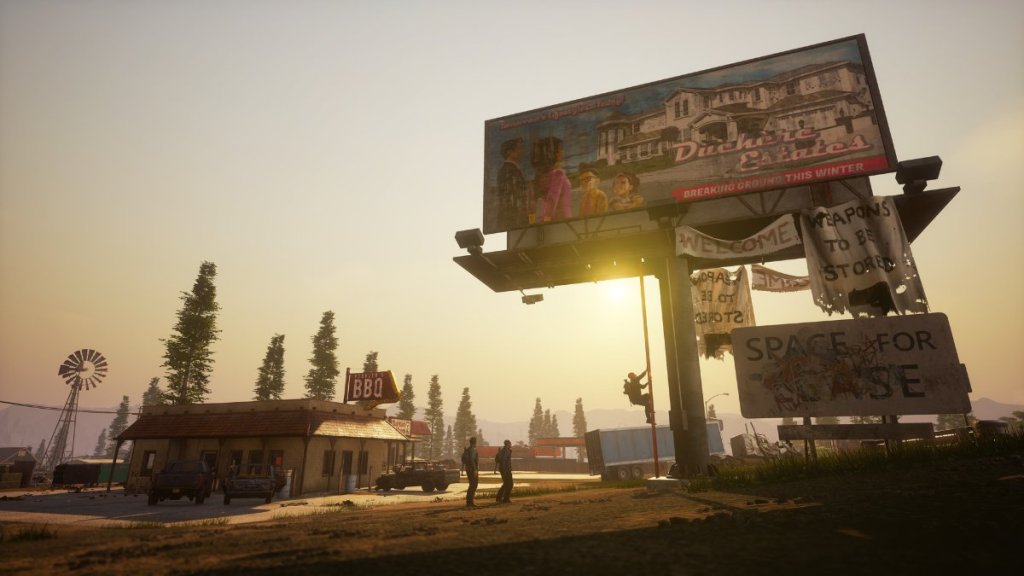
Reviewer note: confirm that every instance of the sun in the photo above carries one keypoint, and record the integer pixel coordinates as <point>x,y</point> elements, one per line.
<point>616,291</point>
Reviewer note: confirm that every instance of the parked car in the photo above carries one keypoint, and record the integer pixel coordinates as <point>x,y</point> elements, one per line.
<point>426,474</point>
<point>179,479</point>
<point>252,481</point>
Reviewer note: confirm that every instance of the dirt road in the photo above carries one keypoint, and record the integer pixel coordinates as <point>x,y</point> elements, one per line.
<point>956,518</point>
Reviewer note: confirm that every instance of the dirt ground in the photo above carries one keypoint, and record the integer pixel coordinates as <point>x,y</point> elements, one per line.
<point>951,518</point>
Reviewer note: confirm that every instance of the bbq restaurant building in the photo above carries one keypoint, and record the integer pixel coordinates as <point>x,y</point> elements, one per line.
<point>324,447</point>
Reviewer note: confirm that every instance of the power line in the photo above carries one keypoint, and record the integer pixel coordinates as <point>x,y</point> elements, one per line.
<point>41,407</point>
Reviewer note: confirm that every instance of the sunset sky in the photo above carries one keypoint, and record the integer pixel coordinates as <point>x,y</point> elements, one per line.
<point>323,154</point>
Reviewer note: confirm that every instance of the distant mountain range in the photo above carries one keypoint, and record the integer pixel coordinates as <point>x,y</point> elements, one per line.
<point>23,426</point>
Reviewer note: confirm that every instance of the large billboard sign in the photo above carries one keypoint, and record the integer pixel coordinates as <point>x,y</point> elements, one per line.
<point>808,115</point>
<point>862,367</point>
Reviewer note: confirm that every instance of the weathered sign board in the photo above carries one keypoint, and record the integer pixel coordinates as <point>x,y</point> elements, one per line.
<point>371,387</point>
<point>862,367</point>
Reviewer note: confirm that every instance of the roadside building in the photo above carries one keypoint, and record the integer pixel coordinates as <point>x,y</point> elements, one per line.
<point>16,467</point>
<point>323,447</point>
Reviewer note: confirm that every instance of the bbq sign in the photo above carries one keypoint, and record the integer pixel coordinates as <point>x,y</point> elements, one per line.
<point>373,387</point>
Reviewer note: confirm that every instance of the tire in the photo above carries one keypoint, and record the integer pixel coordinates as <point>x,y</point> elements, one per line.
<point>442,487</point>
<point>153,499</point>
<point>428,486</point>
<point>384,485</point>
<point>227,498</point>
<point>622,473</point>
<point>638,473</point>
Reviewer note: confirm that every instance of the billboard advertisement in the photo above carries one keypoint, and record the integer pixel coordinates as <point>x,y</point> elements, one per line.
<point>808,115</point>
<point>862,367</point>
<point>371,387</point>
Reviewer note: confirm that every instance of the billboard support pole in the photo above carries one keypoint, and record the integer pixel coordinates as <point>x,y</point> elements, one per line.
<point>650,384</point>
<point>686,396</point>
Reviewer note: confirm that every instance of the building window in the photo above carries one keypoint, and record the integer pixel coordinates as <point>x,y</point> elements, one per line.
<point>686,108</point>
<point>276,458</point>
<point>364,461</point>
<point>678,113</point>
<point>255,456</point>
<point>790,88</point>
<point>148,461</point>
<point>328,467</point>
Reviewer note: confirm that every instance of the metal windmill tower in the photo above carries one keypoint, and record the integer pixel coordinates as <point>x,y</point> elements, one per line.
<point>84,368</point>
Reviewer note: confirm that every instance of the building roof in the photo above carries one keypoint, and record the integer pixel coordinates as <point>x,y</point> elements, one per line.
<point>10,455</point>
<point>260,423</point>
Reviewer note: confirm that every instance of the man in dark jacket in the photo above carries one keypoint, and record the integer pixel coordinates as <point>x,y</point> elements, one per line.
<point>471,462</point>
<point>503,463</point>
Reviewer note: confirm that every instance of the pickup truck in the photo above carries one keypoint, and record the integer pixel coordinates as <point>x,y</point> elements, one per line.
<point>423,473</point>
<point>252,481</point>
<point>181,479</point>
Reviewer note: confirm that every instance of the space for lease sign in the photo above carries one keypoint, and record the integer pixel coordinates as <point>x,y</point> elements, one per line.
<point>861,367</point>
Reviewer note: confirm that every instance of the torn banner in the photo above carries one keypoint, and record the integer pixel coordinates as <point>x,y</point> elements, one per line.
<point>858,259</point>
<point>721,303</point>
<point>768,280</point>
<point>774,237</point>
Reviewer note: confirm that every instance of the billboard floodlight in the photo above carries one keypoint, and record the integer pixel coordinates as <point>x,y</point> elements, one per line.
<point>472,240</point>
<point>915,174</point>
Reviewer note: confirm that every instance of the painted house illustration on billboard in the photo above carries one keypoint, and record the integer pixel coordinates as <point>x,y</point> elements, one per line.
<point>831,98</point>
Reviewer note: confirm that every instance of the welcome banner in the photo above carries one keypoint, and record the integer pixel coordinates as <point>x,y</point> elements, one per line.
<point>776,236</point>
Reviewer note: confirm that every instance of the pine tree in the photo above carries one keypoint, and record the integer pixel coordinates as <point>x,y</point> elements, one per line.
<point>449,444</point>
<point>554,432</point>
<point>41,451</point>
<point>118,425</point>
<point>370,364</point>
<point>536,427</point>
<point>545,427</point>
<point>480,440</point>
<point>270,376</point>
<point>322,377</point>
<point>188,357</point>
<point>435,418</point>
<point>153,396</point>
<point>465,421</point>
<point>101,445</point>
<point>406,409</point>
<point>579,429</point>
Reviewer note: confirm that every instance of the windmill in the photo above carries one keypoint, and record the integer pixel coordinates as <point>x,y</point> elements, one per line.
<point>83,368</point>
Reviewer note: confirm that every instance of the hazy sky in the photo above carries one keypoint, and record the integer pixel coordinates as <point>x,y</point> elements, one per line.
<point>323,154</point>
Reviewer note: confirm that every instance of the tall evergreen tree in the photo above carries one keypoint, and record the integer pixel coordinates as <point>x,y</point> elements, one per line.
<point>406,409</point>
<point>370,364</point>
<point>435,418</point>
<point>449,444</point>
<point>465,421</point>
<point>41,451</point>
<point>579,429</point>
<point>554,432</point>
<point>270,376</point>
<point>536,427</point>
<point>101,445</point>
<point>188,357</point>
<point>545,426</point>
<point>480,440</point>
<point>118,425</point>
<point>323,376</point>
<point>153,396</point>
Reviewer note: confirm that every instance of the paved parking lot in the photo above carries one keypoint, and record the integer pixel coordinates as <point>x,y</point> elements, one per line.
<point>96,506</point>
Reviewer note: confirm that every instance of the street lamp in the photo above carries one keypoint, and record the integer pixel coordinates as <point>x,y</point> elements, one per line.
<point>709,400</point>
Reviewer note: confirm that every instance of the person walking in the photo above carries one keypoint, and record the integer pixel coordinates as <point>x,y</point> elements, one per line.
<point>503,463</point>
<point>471,463</point>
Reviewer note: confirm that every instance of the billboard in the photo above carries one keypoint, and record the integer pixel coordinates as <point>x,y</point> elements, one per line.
<point>808,115</point>
<point>862,367</point>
